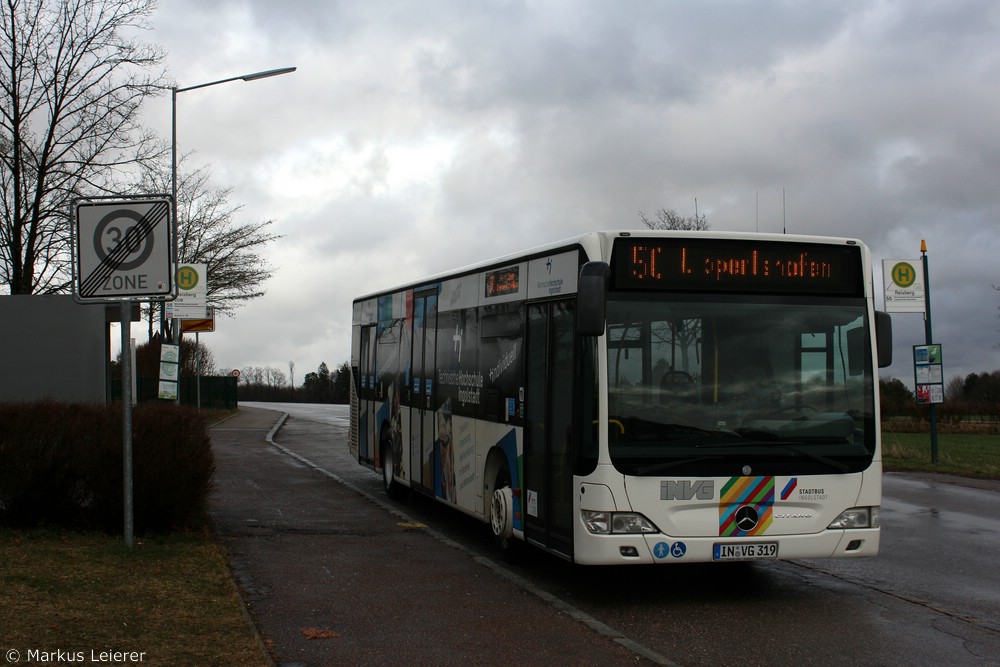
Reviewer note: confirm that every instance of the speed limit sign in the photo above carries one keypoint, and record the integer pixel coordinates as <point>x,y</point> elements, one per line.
<point>123,250</point>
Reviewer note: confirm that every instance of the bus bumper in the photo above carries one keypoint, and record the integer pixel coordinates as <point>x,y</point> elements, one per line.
<point>665,549</point>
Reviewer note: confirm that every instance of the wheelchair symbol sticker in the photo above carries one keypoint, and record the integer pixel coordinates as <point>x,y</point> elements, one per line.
<point>667,550</point>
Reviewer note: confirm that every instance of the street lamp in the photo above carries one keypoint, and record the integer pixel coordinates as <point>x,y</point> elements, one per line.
<point>173,139</point>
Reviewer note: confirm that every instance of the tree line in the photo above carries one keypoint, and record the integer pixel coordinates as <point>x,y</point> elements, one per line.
<point>975,397</point>
<point>255,383</point>
<point>272,384</point>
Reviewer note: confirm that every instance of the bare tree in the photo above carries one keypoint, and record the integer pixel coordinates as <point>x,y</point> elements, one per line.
<point>274,377</point>
<point>667,218</point>
<point>208,232</point>
<point>72,80</point>
<point>252,375</point>
<point>955,389</point>
<point>681,335</point>
<point>196,359</point>
<point>264,384</point>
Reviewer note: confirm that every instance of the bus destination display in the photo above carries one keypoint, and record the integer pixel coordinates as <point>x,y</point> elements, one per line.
<point>737,265</point>
<point>503,281</point>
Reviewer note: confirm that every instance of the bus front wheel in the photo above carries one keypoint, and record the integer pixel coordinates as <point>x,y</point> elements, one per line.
<point>502,517</point>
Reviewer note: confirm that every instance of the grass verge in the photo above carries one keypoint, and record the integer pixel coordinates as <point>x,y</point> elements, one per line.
<point>169,600</point>
<point>958,454</point>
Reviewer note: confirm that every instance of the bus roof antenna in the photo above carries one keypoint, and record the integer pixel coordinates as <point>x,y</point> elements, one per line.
<point>784,226</point>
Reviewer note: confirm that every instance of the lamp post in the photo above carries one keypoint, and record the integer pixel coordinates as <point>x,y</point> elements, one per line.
<point>173,140</point>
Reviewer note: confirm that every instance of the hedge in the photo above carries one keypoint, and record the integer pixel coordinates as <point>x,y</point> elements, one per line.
<point>61,465</point>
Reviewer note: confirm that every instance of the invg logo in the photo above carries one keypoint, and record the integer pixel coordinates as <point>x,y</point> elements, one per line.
<point>703,489</point>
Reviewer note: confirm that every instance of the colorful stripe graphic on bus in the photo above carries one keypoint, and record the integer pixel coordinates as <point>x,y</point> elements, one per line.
<point>792,483</point>
<point>746,506</point>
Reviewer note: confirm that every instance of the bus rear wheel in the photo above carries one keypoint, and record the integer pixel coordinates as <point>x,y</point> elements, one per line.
<point>392,487</point>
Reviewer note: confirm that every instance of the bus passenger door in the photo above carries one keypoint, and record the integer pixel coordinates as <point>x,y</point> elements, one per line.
<point>422,413</point>
<point>366,396</point>
<point>547,493</point>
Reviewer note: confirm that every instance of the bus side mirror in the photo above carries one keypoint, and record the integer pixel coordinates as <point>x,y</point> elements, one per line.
<point>883,338</point>
<point>592,298</point>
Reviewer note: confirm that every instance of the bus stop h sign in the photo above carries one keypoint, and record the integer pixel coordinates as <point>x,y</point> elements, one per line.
<point>123,250</point>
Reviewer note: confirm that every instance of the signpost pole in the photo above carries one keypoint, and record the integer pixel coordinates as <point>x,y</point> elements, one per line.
<point>126,355</point>
<point>123,251</point>
<point>197,366</point>
<point>929,337</point>
<point>177,341</point>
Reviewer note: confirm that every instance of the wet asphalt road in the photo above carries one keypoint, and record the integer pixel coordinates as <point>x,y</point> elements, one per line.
<point>931,597</point>
<point>332,575</point>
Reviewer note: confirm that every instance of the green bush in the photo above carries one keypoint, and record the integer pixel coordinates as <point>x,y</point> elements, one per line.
<point>61,464</point>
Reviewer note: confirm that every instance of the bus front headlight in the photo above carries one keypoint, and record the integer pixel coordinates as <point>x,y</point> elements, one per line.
<point>857,517</point>
<point>617,523</point>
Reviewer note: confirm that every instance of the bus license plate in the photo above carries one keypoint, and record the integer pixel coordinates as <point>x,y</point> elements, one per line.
<point>745,551</point>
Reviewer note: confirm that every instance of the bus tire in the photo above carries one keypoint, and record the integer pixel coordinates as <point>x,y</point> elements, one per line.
<point>389,482</point>
<point>502,515</point>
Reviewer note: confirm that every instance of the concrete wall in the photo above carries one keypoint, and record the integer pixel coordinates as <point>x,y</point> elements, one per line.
<point>52,347</point>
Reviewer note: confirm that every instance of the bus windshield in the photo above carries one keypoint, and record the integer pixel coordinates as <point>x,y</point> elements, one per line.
<point>708,384</point>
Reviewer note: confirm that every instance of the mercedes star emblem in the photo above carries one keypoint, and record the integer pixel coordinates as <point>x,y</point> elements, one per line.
<point>746,518</point>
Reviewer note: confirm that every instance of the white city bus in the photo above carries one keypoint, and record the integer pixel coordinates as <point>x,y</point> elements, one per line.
<point>636,397</point>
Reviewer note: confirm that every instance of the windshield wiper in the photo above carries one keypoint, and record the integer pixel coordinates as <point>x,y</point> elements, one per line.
<point>790,446</point>
<point>745,439</point>
<point>836,465</point>
<point>763,438</point>
<point>795,447</point>
<point>666,465</point>
<point>637,429</point>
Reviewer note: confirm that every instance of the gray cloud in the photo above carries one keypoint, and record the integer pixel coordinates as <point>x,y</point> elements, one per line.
<point>416,137</point>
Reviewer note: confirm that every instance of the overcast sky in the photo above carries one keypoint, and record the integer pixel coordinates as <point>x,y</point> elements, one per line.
<point>420,136</point>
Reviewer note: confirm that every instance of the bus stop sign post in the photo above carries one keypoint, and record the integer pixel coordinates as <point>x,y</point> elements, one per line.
<point>908,290</point>
<point>929,337</point>
<point>124,251</point>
